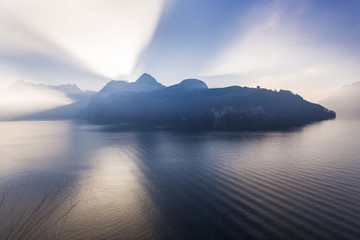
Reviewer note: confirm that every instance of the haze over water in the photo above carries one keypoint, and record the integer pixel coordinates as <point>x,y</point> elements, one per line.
<point>300,184</point>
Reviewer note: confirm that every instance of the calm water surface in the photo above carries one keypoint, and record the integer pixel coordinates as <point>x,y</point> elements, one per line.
<point>301,184</point>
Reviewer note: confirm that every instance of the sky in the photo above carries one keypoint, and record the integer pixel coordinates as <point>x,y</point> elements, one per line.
<point>310,47</point>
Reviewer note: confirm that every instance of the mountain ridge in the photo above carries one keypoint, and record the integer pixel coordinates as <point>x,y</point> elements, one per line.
<point>144,83</point>
<point>192,105</point>
<point>70,89</point>
<point>189,104</point>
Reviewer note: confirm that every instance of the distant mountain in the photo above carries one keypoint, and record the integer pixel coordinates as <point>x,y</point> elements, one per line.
<point>345,101</point>
<point>70,90</point>
<point>74,103</point>
<point>73,91</point>
<point>190,84</point>
<point>23,98</point>
<point>145,83</point>
<point>191,105</point>
<point>73,111</point>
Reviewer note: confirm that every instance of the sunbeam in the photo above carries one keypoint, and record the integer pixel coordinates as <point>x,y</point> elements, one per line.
<point>104,37</point>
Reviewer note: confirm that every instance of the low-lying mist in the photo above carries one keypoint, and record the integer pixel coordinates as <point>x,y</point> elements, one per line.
<point>345,101</point>
<point>22,99</point>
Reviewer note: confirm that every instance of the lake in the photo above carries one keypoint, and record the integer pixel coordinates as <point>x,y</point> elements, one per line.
<point>299,184</point>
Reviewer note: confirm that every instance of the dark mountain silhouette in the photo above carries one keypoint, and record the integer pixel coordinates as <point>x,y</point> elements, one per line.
<point>191,105</point>
<point>346,101</point>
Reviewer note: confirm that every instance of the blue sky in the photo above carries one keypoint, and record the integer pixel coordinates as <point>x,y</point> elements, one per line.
<point>310,47</point>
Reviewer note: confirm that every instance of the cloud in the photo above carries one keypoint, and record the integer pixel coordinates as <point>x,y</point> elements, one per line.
<point>281,49</point>
<point>101,37</point>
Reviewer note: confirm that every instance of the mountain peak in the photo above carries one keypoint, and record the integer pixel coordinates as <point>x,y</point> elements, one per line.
<point>190,84</point>
<point>146,78</point>
<point>145,83</point>
<point>194,83</point>
<point>22,83</point>
<point>69,89</point>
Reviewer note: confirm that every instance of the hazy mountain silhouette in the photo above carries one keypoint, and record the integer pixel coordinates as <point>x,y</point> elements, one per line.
<point>145,83</point>
<point>346,101</point>
<point>79,100</point>
<point>191,105</point>
<point>23,98</point>
<point>73,111</point>
<point>73,91</point>
<point>189,84</point>
<point>70,90</point>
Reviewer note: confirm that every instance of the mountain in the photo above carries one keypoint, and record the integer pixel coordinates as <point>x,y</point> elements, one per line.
<point>191,105</point>
<point>49,102</point>
<point>81,98</point>
<point>145,83</point>
<point>23,98</point>
<point>346,101</point>
<point>70,90</point>
<point>72,111</point>
<point>73,91</point>
<point>190,84</point>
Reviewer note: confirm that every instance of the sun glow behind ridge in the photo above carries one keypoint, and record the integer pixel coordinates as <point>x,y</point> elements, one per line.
<point>20,100</point>
<point>107,36</point>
